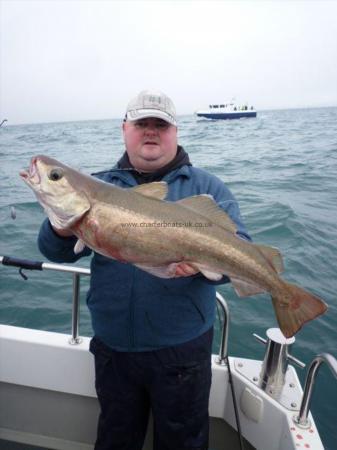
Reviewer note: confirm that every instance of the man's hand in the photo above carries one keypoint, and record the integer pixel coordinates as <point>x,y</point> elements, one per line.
<point>185,270</point>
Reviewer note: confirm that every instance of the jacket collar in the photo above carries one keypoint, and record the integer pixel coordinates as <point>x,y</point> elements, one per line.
<point>124,172</point>
<point>125,175</point>
<point>181,159</point>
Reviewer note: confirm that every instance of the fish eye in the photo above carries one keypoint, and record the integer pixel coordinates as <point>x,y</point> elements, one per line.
<point>55,174</point>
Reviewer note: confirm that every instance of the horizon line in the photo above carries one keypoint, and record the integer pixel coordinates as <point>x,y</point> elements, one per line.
<point>8,124</point>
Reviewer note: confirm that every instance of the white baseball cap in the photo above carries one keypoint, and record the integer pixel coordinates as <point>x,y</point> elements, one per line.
<point>151,104</point>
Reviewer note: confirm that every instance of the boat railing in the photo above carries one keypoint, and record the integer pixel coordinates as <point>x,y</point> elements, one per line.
<point>24,264</point>
<point>223,350</point>
<point>77,272</point>
<point>301,419</point>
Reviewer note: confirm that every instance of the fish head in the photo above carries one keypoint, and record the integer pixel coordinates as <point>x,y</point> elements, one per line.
<point>58,189</point>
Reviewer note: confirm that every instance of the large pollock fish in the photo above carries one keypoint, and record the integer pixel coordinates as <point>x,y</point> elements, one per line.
<point>138,226</point>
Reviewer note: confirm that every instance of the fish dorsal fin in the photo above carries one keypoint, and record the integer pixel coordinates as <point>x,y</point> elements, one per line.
<point>206,206</point>
<point>157,189</point>
<point>273,256</point>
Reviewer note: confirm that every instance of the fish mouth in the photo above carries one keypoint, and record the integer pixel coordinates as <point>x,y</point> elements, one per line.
<point>31,176</point>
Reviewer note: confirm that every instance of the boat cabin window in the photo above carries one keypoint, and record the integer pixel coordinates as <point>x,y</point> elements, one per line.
<point>222,106</point>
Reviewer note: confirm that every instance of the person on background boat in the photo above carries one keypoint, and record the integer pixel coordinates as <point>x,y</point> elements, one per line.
<point>152,336</point>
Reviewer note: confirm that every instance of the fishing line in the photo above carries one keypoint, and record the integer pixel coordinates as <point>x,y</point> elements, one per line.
<point>230,380</point>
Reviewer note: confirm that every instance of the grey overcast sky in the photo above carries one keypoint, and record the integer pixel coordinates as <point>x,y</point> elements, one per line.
<point>78,60</point>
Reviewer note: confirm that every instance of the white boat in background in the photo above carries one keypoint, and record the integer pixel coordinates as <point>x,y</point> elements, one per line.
<point>48,399</point>
<point>229,110</point>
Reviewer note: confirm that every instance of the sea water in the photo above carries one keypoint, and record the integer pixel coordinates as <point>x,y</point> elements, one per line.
<point>281,167</point>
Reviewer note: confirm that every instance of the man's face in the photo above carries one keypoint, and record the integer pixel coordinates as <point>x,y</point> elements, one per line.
<point>151,143</point>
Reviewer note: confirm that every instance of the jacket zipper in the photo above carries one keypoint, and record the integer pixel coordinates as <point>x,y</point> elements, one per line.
<point>132,314</point>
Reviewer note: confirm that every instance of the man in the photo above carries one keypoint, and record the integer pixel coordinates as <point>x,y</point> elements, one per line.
<point>153,336</point>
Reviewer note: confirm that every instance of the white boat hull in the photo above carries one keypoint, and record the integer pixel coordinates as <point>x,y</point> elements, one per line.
<point>226,115</point>
<point>48,388</point>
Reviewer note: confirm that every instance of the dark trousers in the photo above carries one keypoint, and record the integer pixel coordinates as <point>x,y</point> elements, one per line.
<point>173,382</point>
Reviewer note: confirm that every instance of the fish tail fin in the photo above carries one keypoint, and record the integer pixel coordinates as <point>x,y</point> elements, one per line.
<point>295,307</point>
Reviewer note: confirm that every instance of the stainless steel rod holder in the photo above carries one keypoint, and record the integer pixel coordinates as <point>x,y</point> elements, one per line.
<point>75,339</point>
<point>302,419</point>
<point>221,360</point>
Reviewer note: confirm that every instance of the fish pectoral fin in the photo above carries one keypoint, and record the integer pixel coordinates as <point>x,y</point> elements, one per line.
<point>244,288</point>
<point>79,246</point>
<point>157,189</point>
<point>206,206</point>
<point>272,255</point>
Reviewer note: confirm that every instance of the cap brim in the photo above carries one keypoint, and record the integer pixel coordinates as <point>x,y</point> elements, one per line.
<point>138,114</point>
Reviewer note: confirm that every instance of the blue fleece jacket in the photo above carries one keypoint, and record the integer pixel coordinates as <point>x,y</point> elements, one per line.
<point>132,310</point>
